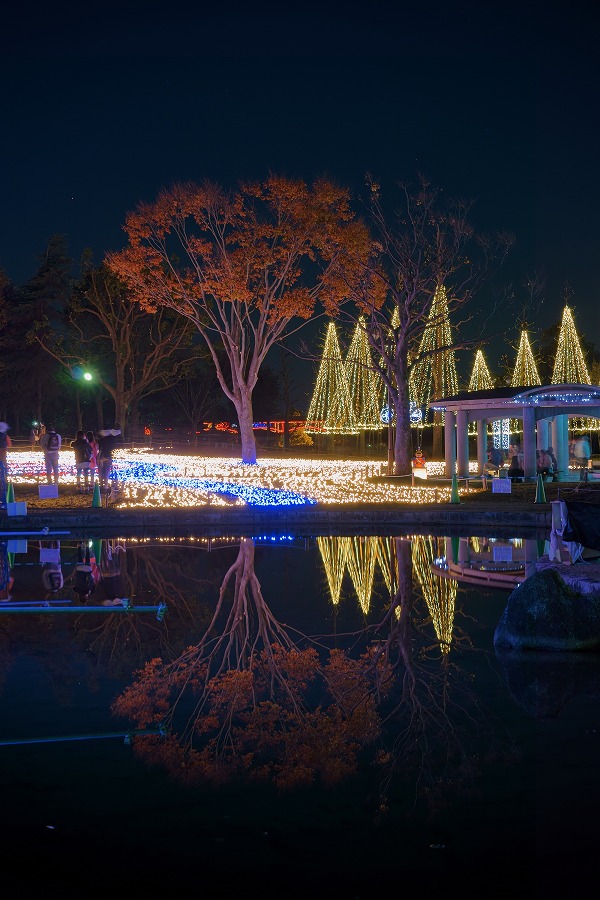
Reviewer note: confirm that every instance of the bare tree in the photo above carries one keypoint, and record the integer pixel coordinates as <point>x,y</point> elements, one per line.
<point>424,245</point>
<point>132,354</point>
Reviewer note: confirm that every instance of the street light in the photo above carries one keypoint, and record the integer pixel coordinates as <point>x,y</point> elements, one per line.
<point>87,376</point>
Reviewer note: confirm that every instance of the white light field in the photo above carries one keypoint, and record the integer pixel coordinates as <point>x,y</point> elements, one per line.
<point>167,480</point>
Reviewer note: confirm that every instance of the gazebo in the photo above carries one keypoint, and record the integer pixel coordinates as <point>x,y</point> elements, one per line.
<point>544,410</point>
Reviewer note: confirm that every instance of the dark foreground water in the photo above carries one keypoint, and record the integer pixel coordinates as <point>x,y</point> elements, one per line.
<point>482,781</point>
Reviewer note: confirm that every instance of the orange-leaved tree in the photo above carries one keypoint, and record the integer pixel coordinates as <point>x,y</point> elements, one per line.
<point>244,266</point>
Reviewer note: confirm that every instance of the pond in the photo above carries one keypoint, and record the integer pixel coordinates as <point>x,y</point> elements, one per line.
<point>381,743</point>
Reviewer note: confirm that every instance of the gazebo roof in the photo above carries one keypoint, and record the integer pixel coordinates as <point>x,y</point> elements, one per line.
<point>562,399</point>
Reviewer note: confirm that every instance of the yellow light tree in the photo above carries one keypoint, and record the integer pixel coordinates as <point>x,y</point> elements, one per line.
<point>363,382</point>
<point>362,556</point>
<point>331,410</point>
<point>439,593</point>
<point>435,370</point>
<point>570,366</point>
<point>525,373</point>
<point>334,554</point>
<point>480,380</point>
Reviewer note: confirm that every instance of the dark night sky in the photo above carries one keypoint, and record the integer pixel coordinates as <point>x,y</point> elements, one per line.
<point>100,112</point>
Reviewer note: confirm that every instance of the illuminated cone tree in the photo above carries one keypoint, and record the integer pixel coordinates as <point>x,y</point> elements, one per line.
<point>569,365</point>
<point>363,382</point>
<point>525,373</point>
<point>331,410</point>
<point>439,593</point>
<point>480,380</point>
<point>435,370</point>
<point>334,554</point>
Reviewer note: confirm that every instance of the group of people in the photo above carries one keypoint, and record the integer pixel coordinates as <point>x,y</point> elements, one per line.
<point>546,464</point>
<point>93,453</point>
<point>101,577</point>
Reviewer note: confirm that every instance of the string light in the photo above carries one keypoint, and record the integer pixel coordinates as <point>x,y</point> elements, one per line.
<point>525,373</point>
<point>439,592</point>
<point>362,556</point>
<point>480,380</point>
<point>331,410</point>
<point>570,367</point>
<point>152,481</point>
<point>435,368</point>
<point>363,383</point>
<point>334,554</point>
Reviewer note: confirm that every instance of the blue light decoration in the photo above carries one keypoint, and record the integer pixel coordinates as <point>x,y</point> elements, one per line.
<point>415,413</point>
<point>386,415</point>
<point>165,475</point>
<point>560,396</point>
<point>501,432</point>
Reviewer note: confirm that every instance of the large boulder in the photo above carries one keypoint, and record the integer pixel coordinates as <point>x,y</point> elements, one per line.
<point>544,613</point>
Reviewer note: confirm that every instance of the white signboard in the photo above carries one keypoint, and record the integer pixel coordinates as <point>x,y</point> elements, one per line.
<point>502,553</point>
<point>501,485</point>
<point>48,491</point>
<point>49,555</point>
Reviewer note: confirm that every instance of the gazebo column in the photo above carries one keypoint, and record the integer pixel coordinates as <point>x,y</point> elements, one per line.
<point>529,457</point>
<point>481,444</point>
<point>542,434</point>
<point>560,442</point>
<point>450,442</point>
<point>462,442</point>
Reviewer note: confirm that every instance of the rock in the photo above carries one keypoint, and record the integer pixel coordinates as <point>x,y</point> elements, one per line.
<point>544,613</point>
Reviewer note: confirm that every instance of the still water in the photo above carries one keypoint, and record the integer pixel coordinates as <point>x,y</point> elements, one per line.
<point>383,743</point>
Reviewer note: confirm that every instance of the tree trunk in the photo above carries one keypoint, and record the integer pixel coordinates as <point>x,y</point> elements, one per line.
<point>243,407</point>
<point>134,416</point>
<point>403,441</point>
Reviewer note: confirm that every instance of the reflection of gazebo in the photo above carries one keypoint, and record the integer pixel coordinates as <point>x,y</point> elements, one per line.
<point>544,412</point>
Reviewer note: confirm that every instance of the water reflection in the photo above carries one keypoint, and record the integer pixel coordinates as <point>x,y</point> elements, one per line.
<point>281,668</point>
<point>258,699</point>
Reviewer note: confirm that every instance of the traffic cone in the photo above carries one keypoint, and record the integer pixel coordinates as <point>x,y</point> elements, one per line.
<point>454,498</point>
<point>96,498</point>
<point>540,493</point>
<point>455,545</point>
<point>10,493</point>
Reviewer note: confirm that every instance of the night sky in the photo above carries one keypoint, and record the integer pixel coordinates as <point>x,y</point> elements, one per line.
<point>100,112</point>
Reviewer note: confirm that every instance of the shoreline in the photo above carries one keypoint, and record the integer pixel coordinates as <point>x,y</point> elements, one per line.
<point>468,516</point>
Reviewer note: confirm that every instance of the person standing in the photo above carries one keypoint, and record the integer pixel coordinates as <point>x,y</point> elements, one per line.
<point>50,443</point>
<point>5,443</point>
<point>582,452</point>
<point>109,439</point>
<point>83,453</point>
<point>84,580</point>
<point>52,576</point>
<point>94,457</point>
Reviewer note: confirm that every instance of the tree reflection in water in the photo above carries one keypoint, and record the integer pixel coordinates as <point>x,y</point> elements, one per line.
<point>255,699</point>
